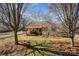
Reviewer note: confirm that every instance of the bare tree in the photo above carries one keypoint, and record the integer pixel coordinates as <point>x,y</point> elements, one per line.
<point>11,14</point>
<point>68,15</point>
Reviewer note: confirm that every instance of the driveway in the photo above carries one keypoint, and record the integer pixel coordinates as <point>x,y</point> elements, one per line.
<point>77,36</point>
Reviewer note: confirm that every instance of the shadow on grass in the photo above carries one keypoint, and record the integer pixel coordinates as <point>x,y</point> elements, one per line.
<point>44,51</point>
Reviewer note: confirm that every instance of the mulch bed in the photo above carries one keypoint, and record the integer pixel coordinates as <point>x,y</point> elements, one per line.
<point>9,48</point>
<point>67,48</point>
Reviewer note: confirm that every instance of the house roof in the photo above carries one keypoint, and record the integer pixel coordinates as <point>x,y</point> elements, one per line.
<point>41,24</point>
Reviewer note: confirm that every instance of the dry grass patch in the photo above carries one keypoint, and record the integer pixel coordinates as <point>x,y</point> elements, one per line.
<point>38,45</point>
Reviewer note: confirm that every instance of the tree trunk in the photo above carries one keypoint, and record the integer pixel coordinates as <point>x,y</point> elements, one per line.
<point>72,38</point>
<point>16,37</point>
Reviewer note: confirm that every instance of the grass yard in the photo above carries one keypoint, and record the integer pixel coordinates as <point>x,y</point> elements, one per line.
<point>38,46</point>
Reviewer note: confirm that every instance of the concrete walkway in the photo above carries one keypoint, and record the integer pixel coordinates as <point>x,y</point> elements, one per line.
<point>9,34</point>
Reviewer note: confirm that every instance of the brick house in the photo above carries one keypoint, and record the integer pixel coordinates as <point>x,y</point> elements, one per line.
<point>39,28</point>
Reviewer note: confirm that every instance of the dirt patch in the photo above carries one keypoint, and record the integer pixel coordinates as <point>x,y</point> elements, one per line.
<point>11,49</point>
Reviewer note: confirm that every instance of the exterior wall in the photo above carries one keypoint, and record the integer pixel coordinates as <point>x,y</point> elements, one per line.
<point>33,31</point>
<point>28,32</point>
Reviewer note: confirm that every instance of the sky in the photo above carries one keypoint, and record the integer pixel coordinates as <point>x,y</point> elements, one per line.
<point>34,8</point>
<point>41,7</point>
<point>38,7</point>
